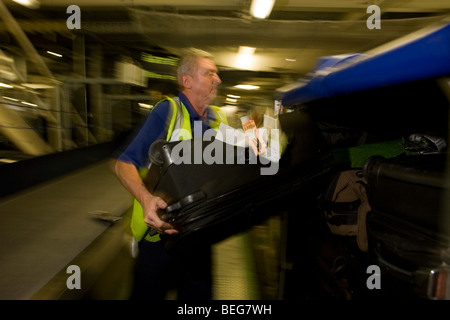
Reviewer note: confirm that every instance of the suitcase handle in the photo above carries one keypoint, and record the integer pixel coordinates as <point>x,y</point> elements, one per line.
<point>188,200</point>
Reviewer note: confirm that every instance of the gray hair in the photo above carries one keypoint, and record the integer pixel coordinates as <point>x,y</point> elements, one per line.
<point>188,62</point>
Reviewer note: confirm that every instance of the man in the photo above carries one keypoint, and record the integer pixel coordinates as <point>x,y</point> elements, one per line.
<point>155,268</point>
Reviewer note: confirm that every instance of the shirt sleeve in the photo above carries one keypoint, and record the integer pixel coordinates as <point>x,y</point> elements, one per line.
<point>154,128</point>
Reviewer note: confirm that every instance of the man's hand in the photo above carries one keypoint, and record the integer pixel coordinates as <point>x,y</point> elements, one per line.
<point>151,205</point>
<point>130,179</point>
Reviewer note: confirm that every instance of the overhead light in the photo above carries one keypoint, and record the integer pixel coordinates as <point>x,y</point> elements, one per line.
<point>55,54</point>
<point>32,4</point>
<point>10,99</point>
<point>261,8</point>
<point>229,109</point>
<point>4,85</point>
<point>230,100</point>
<point>290,60</point>
<point>233,96</point>
<point>29,104</point>
<point>145,105</point>
<point>37,86</point>
<point>246,86</point>
<point>6,160</point>
<point>245,57</point>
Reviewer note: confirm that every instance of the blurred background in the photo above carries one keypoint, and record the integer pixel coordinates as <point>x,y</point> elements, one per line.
<point>66,88</point>
<point>76,77</point>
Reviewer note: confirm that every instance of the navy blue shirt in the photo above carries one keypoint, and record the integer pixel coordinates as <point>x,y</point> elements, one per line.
<point>155,128</point>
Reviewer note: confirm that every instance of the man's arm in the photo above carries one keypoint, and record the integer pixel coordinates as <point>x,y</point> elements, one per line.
<point>129,177</point>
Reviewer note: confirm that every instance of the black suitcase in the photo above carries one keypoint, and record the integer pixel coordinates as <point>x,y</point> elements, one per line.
<point>209,202</point>
<point>406,228</point>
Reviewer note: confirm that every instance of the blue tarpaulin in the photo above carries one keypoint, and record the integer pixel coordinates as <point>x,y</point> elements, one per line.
<point>422,55</point>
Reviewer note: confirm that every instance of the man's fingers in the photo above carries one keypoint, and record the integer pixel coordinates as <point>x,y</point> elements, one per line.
<point>167,228</point>
<point>161,226</point>
<point>171,231</point>
<point>161,204</point>
<point>153,220</point>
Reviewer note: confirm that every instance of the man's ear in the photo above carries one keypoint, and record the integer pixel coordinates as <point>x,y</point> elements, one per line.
<point>186,81</point>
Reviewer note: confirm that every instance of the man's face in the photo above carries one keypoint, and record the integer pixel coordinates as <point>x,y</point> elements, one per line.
<point>205,80</point>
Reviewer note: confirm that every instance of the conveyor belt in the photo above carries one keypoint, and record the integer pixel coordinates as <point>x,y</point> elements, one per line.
<point>43,228</point>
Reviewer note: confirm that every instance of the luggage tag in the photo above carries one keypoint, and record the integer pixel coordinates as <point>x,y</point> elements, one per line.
<point>271,134</point>
<point>255,140</point>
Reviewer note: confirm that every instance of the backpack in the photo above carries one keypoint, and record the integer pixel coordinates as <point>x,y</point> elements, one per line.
<point>345,205</point>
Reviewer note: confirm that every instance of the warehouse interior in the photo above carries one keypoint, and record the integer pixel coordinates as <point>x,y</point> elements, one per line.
<point>78,77</point>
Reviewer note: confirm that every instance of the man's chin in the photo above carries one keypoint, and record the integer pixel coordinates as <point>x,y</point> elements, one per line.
<point>211,98</point>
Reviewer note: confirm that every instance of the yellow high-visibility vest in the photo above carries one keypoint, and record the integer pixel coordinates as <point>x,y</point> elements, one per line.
<point>179,129</point>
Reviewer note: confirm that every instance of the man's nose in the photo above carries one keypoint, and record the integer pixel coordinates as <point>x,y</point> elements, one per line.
<point>217,79</point>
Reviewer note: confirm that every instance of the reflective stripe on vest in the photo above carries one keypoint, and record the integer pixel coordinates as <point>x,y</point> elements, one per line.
<point>180,122</point>
<point>179,129</point>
